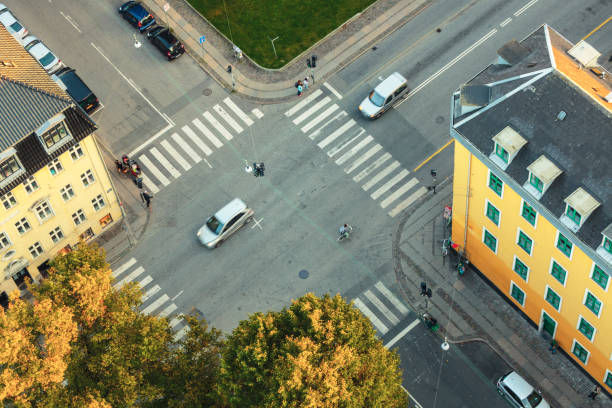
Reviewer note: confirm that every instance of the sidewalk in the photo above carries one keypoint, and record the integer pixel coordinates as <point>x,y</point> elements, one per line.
<point>469,309</point>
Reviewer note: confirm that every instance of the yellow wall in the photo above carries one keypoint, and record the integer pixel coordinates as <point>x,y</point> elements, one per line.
<point>499,267</point>
<point>49,188</point>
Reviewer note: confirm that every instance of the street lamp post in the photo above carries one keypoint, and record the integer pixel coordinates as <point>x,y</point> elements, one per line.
<point>273,48</point>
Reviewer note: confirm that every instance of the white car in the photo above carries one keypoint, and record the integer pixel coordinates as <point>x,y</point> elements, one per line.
<point>519,393</point>
<point>13,26</point>
<point>42,54</point>
<point>224,223</point>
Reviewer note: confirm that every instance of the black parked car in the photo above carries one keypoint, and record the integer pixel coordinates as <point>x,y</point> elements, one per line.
<point>167,43</point>
<point>78,90</point>
<point>137,15</point>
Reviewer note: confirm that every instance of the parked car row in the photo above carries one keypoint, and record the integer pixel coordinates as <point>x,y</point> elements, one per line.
<point>161,37</point>
<point>65,77</point>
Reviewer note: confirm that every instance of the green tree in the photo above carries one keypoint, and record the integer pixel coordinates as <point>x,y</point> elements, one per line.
<point>320,352</point>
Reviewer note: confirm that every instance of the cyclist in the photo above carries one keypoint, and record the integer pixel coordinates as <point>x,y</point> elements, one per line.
<point>344,231</point>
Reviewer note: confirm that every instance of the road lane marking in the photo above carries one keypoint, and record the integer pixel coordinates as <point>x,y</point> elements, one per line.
<point>433,155</point>
<point>362,159</point>
<point>158,302</point>
<point>320,118</point>
<point>196,140</point>
<point>380,176</point>
<point>171,308</point>
<point>71,21</point>
<point>380,326</point>
<point>402,333</point>
<point>336,149</point>
<point>505,22</point>
<point>381,307</point>
<point>371,167</point>
<point>172,152</point>
<point>125,266</point>
<point>524,8</point>
<point>385,187</point>
<point>190,152</point>
<point>336,133</point>
<point>153,169</point>
<point>399,192</point>
<point>303,103</point>
<point>312,110</point>
<point>226,117</point>
<point>164,162</point>
<point>245,118</point>
<point>404,204</point>
<point>211,119</point>
<point>332,90</point>
<point>353,150</point>
<point>207,132</point>
<point>130,277</point>
<point>389,295</point>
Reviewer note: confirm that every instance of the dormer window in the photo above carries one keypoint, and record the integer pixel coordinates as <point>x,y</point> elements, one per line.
<point>53,134</point>
<point>578,207</point>
<point>10,167</point>
<point>605,248</point>
<point>607,244</point>
<point>507,144</point>
<point>542,173</point>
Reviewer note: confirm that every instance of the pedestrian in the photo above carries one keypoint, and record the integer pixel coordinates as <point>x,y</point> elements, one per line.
<point>305,84</point>
<point>594,393</point>
<point>146,197</point>
<point>299,90</point>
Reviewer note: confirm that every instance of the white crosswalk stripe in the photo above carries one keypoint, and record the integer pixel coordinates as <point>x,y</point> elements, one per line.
<point>399,192</point>
<point>175,321</point>
<point>314,122</point>
<point>344,143</point>
<point>353,150</point>
<point>155,305</point>
<point>407,202</point>
<point>123,267</point>
<point>190,152</point>
<point>213,121</point>
<point>226,117</point>
<point>135,273</point>
<point>181,333</point>
<point>245,118</point>
<point>207,132</point>
<point>381,306</point>
<point>389,295</point>
<point>362,159</point>
<point>318,132</point>
<point>385,187</point>
<point>335,134</point>
<point>150,293</point>
<point>258,114</point>
<point>170,149</point>
<point>154,170</point>
<point>304,102</point>
<point>150,185</point>
<point>196,140</point>
<point>381,175</point>
<point>169,309</point>
<point>371,167</point>
<point>148,279</point>
<point>165,163</point>
<point>312,110</point>
<point>380,326</point>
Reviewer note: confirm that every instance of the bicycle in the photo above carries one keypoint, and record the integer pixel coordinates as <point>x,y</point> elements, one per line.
<point>446,244</point>
<point>348,230</point>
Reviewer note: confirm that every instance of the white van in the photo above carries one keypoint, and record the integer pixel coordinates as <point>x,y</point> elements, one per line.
<point>384,96</point>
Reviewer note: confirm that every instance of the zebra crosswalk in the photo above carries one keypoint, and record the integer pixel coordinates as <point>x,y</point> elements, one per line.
<point>172,156</point>
<point>382,307</point>
<point>349,146</point>
<point>154,301</point>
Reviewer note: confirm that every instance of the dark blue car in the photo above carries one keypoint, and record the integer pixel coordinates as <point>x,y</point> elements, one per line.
<point>137,15</point>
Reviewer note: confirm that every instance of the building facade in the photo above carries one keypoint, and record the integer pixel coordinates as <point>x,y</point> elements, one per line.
<point>54,187</point>
<point>532,195</point>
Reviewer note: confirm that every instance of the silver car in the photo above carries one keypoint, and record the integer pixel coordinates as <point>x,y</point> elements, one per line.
<point>519,393</point>
<point>224,223</point>
<point>42,54</point>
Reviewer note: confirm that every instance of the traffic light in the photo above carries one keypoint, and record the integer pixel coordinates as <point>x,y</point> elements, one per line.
<point>433,173</point>
<point>258,169</point>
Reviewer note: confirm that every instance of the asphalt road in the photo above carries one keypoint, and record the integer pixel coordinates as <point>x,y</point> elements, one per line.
<point>310,187</point>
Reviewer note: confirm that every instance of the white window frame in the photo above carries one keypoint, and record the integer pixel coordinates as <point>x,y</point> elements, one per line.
<point>5,196</point>
<point>557,240</point>
<point>483,241</point>
<point>30,182</point>
<point>597,284</point>
<point>53,166</point>
<point>518,234</point>
<point>80,215</point>
<point>87,175</point>
<point>20,222</point>
<point>64,190</point>
<point>574,356</point>
<point>520,213</point>
<point>97,200</point>
<point>560,297</point>
<point>528,268</point>
<point>42,250</point>
<point>11,153</point>
<point>487,202</point>
<point>501,196</point>
<point>50,125</point>
<point>75,150</point>
<point>54,233</point>
<point>519,288</point>
<point>592,325</point>
<point>42,220</point>
<point>10,243</point>
<point>550,268</point>
<point>586,292</point>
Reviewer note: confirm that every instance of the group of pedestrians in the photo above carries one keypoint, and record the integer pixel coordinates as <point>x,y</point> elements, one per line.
<point>301,86</point>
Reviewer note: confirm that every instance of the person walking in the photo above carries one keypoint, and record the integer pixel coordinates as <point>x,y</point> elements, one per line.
<point>146,197</point>
<point>305,84</point>
<point>299,89</point>
<point>594,393</point>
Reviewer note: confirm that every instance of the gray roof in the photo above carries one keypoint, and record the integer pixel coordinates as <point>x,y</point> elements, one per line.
<point>23,109</point>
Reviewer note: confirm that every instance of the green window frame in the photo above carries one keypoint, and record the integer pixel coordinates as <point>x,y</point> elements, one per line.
<point>553,298</point>
<point>536,182</point>
<point>501,152</point>
<point>600,277</point>
<point>558,272</point>
<point>608,380</point>
<point>518,294</point>
<point>573,214</point>
<point>492,213</point>
<point>496,184</point>
<point>490,241</point>
<point>592,303</point>
<point>586,328</point>
<point>529,213</point>
<point>525,242</point>
<point>520,268</point>
<point>607,244</point>
<point>564,245</point>
<point>580,352</point>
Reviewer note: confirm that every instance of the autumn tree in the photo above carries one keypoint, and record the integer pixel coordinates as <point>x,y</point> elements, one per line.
<point>320,352</point>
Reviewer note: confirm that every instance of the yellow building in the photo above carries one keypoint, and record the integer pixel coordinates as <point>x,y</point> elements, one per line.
<point>54,187</point>
<point>532,195</point>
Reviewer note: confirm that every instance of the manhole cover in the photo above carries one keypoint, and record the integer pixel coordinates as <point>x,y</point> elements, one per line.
<point>440,119</point>
<point>207,92</point>
<point>303,274</point>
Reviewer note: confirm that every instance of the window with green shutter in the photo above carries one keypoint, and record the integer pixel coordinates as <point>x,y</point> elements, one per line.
<point>564,245</point>
<point>490,241</point>
<point>600,277</point>
<point>496,184</point>
<point>573,215</point>
<point>553,298</point>
<point>529,213</point>
<point>525,242</point>
<point>607,245</point>
<point>585,328</point>
<point>536,182</point>
<point>520,268</point>
<point>580,352</point>
<point>608,380</point>
<point>558,272</point>
<point>501,152</point>
<point>592,303</point>
<point>492,213</point>
<point>518,294</point>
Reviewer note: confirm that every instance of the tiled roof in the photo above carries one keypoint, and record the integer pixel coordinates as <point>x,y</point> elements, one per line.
<point>28,96</point>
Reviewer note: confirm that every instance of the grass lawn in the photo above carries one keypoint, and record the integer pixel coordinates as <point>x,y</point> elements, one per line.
<point>297,23</point>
